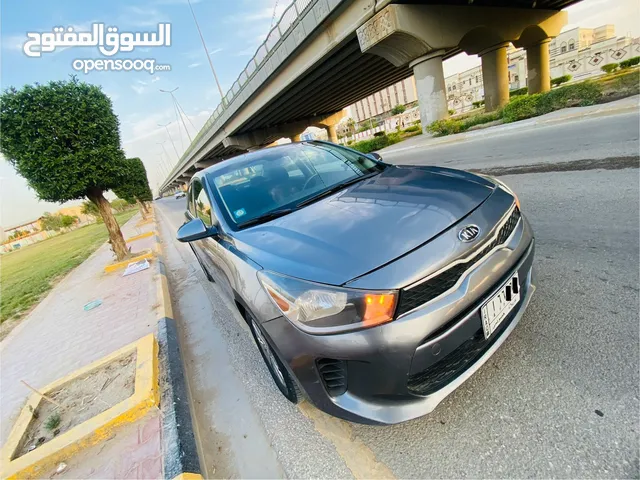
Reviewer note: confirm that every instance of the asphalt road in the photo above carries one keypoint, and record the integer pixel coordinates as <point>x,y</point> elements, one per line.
<point>610,136</point>
<point>559,399</point>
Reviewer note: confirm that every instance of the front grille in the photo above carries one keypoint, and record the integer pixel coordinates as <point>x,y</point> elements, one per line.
<point>334,375</point>
<point>438,375</point>
<point>436,286</point>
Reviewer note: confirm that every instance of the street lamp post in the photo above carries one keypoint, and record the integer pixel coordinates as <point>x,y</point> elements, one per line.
<point>178,108</point>
<point>174,145</point>
<point>207,54</point>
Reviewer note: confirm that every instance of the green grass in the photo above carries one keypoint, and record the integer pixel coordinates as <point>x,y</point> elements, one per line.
<point>28,273</point>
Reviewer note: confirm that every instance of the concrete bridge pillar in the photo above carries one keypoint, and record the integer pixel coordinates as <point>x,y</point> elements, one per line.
<point>538,67</point>
<point>332,133</point>
<point>432,92</point>
<point>296,138</point>
<point>495,76</point>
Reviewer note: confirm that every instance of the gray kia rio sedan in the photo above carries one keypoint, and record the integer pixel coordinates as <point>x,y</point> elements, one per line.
<point>374,290</point>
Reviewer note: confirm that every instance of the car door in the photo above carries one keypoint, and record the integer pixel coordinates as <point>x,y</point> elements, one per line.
<point>211,253</point>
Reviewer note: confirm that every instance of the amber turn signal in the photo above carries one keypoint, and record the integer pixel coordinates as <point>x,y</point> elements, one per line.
<point>379,309</point>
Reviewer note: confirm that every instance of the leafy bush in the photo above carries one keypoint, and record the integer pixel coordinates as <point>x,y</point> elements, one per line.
<point>560,80</point>
<point>478,104</point>
<point>412,128</point>
<point>446,126</point>
<point>609,67</point>
<point>630,62</point>
<point>379,134</point>
<point>577,95</point>
<point>518,91</point>
<point>398,109</point>
<point>525,106</point>
<point>450,126</point>
<point>376,143</point>
<point>628,84</point>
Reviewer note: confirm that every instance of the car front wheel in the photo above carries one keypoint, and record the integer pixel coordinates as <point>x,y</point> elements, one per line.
<point>281,377</point>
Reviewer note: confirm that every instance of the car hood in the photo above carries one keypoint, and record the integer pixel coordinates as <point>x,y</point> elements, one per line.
<point>366,225</point>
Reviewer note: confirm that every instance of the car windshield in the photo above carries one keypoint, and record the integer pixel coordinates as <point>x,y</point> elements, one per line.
<point>276,180</point>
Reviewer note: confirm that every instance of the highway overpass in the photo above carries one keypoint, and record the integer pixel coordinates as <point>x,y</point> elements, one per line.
<point>324,55</point>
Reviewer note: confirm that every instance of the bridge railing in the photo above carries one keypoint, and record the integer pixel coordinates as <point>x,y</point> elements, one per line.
<point>253,74</point>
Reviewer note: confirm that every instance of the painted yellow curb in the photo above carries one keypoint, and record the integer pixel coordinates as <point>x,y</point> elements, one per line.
<point>144,222</point>
<point>142,235</point>
<point>118,265</point>
<point>188,476</point>
<point>93,431</point>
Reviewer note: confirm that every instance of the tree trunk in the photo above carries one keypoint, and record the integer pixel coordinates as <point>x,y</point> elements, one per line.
<point>143,209</point>
<point>116,239</point>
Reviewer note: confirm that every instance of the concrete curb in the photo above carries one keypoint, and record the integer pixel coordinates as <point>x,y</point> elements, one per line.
<point>181,460</point>
<point>96,429</point>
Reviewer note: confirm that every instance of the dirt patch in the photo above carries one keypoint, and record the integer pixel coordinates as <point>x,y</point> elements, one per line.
<point>79,400</point>
<point>611,163</point>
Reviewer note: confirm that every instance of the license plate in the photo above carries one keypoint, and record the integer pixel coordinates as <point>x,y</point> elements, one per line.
<point>498,307</point>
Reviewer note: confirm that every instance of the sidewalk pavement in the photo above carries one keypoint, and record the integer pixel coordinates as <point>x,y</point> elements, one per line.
<point>59,336</point>
<point>624,105</point>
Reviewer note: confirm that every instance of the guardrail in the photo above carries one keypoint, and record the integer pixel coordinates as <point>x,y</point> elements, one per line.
<point>248,80</point>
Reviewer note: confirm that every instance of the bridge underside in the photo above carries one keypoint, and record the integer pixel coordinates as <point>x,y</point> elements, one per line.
<point>347,70</point>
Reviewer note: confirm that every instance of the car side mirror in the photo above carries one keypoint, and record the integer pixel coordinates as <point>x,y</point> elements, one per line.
<point>375,156</point>
<point>195,230</point>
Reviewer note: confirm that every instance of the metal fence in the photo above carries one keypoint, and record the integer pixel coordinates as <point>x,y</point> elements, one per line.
<point>290,18</point>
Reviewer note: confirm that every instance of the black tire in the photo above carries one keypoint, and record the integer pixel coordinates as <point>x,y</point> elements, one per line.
<point>281,377</point>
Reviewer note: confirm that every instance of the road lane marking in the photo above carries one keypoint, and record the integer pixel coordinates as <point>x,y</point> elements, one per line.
<point>356,455</point>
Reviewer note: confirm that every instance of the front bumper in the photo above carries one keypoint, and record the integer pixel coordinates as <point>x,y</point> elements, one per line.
<point>404,369</point>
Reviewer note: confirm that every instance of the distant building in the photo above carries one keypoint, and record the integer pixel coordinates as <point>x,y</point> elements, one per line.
<point>29,227</point>
<point>581,52</point>
<point>401,93</point>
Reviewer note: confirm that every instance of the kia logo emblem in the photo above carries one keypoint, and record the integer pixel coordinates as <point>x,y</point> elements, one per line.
<point>469,233</point>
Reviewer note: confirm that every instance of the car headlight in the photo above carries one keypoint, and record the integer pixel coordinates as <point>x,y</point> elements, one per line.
<point>318,308</point>
<point>503,186</point>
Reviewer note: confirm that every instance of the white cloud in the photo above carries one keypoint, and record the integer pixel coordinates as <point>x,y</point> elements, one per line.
<point>215,50</point>
<point>138,89</point>
<point>13,42</point>
<point>155,79</point>
<point>194,65</point>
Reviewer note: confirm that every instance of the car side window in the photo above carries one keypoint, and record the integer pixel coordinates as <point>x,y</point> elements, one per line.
<point>202,205</point>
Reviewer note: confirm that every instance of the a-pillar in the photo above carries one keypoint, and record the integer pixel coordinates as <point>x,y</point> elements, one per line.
<point>495,76</point>
<point>538,68</point>
<point>432,92</point>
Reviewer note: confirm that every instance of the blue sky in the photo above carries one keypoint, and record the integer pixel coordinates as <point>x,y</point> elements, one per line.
<point>233,29</point>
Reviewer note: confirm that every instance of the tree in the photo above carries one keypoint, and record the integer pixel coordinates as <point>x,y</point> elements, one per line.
<point>609,67</point>
<point>136,185</point>
<point>398,109</point>
<point>68,220</point>
<point>120,205</point>
<point>51,222</point>
<point>63,139</point>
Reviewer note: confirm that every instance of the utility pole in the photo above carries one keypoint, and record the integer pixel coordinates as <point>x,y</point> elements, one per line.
<point>206,51</point>
<point>174,145</point>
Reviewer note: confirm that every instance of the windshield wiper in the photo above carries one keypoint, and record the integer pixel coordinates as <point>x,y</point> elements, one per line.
<point>337,187</point>
<point>267,216</point>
